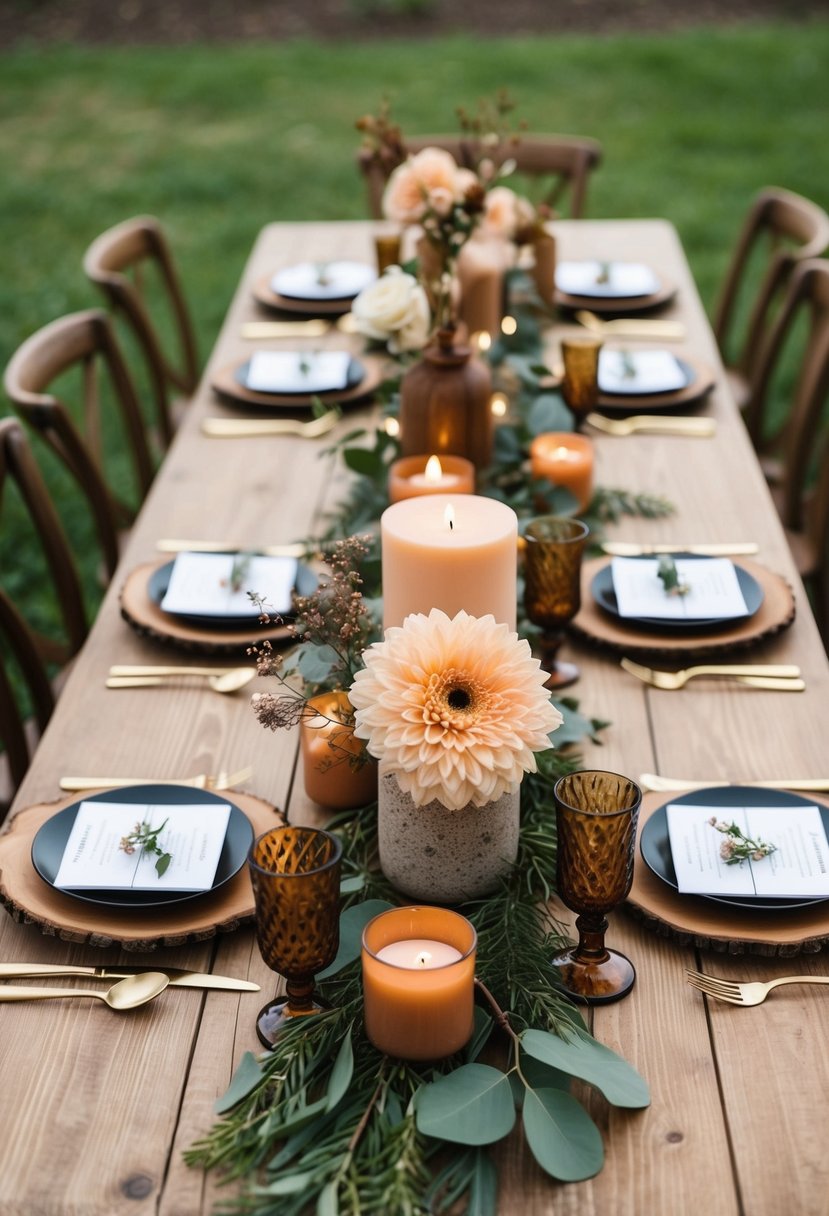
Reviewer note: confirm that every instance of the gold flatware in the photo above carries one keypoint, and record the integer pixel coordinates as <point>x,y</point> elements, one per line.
<point>229,682</point>
<point>314,327</point>
<point>654,424</point>
<point>202,781</point>
<point>176,977</point>
<point>216,546</point>
<point>138,669</point>
<point>246,428</point>
<point>128,993</point>
<point>620,548</point>
<point>632,327</point>
<point>653,783</point>
<point>779,673</point>
<point>746,993</point>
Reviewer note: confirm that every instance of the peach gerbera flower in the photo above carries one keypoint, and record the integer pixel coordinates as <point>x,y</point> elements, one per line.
<point>455,709</point>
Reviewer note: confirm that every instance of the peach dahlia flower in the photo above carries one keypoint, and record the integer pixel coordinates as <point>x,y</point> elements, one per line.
<point>455,709</point>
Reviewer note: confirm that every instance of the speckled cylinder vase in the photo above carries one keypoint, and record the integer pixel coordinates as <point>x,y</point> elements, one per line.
<point>445,857</point>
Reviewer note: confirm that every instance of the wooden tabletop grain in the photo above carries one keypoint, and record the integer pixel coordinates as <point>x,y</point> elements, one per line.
<point>97,1107</point>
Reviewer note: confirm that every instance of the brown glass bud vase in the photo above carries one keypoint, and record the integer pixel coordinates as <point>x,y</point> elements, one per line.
<point>445,403</point>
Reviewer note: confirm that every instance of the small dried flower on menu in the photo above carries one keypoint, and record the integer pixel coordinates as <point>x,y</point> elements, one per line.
<point>737,847</point>
<point>144,836</point>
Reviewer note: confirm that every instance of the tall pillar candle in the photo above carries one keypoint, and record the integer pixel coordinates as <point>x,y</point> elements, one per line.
<point>456,553</point>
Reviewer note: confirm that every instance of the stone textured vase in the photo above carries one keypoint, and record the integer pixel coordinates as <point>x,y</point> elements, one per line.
<point>445,403</point>
<point>445,857</point>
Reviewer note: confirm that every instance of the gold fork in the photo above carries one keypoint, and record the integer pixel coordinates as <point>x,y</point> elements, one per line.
<point>632,327</point>
<point>239,428</point>
<point>654,783</point>
<point>654,424</point>
<point>782,676</point>
<point>747,993</point>
<point>202,781</point>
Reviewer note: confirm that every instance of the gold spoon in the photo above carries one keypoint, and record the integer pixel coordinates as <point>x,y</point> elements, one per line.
<point>227,682</point>
<point>128,993</point>
<point>316,327</point>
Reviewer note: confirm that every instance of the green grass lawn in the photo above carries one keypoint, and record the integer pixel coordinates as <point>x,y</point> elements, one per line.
<point>218,141</point>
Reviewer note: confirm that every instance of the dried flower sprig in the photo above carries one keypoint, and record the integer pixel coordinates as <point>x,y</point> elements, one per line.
<point>144,836</point>
<point>737,847</point>
<point>666,570</point>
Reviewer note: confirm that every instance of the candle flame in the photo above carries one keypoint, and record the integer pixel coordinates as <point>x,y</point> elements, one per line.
<point>449,516</point>
<point>509,325</point>
<point>392,427</point>
<point>498,405</point>
<point>482,339</point>
<point>562,453</point>
<point>434,470</point>
<point>423,958</point>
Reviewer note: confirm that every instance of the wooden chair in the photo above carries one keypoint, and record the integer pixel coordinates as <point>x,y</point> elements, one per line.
<point>21,725</point>
<point>780,230</point>
<point>800,476</point>
<point>127,262</point>
<point>84,342</point>
<point>567,160</point>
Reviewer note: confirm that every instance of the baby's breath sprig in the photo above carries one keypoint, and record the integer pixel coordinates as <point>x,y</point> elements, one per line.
<point>737,847</point>
<point>144,836</point>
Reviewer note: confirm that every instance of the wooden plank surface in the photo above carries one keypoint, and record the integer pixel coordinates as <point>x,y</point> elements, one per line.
<point>98,1107</point>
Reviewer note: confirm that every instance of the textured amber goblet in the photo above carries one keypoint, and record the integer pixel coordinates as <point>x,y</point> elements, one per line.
<point>295,874</point>
<point>580,386</point>
<point>552,586</point>
<point>596,814</point>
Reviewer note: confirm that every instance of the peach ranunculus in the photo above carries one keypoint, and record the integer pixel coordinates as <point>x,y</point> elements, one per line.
<point>505,212</point>
<point>412,186</point>
<point>394,309</point>
<point>454,708</point>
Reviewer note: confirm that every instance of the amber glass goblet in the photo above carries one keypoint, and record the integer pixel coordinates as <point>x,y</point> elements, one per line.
<point>580,386</point>
<point>596,814</point>
<point>295,874</point>
<point>552,586</point>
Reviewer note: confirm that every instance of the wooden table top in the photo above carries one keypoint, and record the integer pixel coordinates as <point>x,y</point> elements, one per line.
<point>98,1107</point>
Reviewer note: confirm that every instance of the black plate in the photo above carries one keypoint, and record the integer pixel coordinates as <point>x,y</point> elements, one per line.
<point>159,580</point>
<point>50,842</point>
<point>655,844</point>
<point>686,369</point>
<point>605,596</point>
<point>354,376</point>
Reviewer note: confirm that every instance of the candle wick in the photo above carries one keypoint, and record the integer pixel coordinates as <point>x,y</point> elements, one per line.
<point>423,958</point>
<point>451,524</point>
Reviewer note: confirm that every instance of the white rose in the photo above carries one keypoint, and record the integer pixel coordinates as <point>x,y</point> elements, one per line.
<point>393,309</point>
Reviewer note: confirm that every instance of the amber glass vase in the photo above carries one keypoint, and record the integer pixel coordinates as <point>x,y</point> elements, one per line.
<point>295,874</point>
<point>596,814</point>
<point>552,586</point>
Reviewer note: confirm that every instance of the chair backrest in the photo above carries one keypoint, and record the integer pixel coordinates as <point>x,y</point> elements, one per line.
<point>780,229</point>
<point>85,342</point>
<point>117,262</point>
<point>31,651</point>
<point>567,160</point>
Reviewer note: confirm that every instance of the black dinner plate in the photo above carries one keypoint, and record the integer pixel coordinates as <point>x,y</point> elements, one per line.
<point>354,376</point>
<point>620,390</point>
<point>655,844</point>
<point>159,580</point>
<point>50,841</point>
<point>605,596</point>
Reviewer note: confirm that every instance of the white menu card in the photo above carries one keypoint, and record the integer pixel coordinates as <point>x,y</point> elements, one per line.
<point>194,835</point>
<point>714,591</point>
<point>799,867</point>
<point>640,371</point>
<point>323,280</point>
<point>286,371</point>
<point>217,584</point>
<point>593,278</point>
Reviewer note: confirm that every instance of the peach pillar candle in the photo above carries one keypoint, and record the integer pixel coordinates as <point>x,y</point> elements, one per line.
<point>415,475</point>
<point>419,1007</point>
<point>449,552</point>
<point>482,265</point>
<point>565,459</point>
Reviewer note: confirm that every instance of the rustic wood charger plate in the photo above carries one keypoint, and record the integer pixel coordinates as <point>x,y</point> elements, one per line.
<point>30,900</point>
<point>143,614</point>
<point>702,380</point>
<point>776,612</point>
<point>708,925</point>
<point>617,306</point>
<point>265,295</point>
<point>230,388</point>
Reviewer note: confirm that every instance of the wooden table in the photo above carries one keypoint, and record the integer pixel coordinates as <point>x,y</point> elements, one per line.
<point>98,1107</point>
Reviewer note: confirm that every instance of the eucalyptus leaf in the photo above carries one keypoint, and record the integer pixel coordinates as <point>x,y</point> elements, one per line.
<point>472,1105</point>
<point>542,1076</point>
<point>562,1137</point>
<point>315,662</point>
<point>548,413</point>
<point>364,461</point>
<point>349,886</point>
<point>483,1192</point>
<point>341,1074</point>
<point>574,729</point>
<point>583,1056</point>
<point>245,1079</point>
<point>352,923</point>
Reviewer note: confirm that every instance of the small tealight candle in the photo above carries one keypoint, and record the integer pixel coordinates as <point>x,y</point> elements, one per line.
<point>565,459</point>
<point>418,982</point>
<point>412,476</point>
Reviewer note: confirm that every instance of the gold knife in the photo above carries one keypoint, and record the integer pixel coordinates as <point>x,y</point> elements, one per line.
<point>813,785</point>
<point>619,548</point>
<point>217,546</point>
<point>178,978</point>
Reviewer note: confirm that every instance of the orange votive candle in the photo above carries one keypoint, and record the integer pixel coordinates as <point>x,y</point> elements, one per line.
<point>565,459</point>
<point>418,982</point>
<point>412,476</point>
<point>330,751</point>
